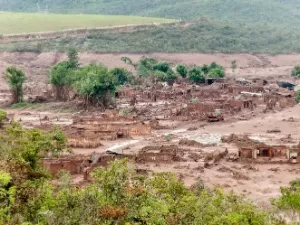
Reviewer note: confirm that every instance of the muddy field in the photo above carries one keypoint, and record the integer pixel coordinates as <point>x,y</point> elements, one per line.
<point>252,149</point>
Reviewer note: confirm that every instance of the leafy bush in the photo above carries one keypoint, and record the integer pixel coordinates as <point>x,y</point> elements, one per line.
<point>296,71</point>
<point>120,76</point>
<point>171,77</point>
<point>161,76</point>
<point>148,63</point>
<point>196,76</point>
<point>96,85</point>
<point>216,73</point>
<point>62,75</point>
<point>143,71</point>
<point>73,58</point>
<point>162,66</point>
<point>3,116</point>
<point>15,79</point>
<point>182,70</point>
<point>205,69</point>
<point>289,201</point>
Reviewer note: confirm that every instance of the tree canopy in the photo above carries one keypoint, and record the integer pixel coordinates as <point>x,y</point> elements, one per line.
<point>15,78</point>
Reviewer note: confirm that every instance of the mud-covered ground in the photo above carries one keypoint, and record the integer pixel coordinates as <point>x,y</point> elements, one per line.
<point>259,182</point>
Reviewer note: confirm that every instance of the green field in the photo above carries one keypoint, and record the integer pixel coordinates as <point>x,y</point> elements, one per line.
<point>18,23</point>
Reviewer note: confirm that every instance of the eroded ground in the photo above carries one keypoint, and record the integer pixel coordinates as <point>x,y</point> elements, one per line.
<point>160,129</point>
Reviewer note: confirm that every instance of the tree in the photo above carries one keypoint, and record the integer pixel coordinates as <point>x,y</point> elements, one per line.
<point>61,76</point>
<point>96,85</point>
<point>195,75</point>
<point>15,79</point>
<point>171,77</point>
<point>162,66</point>
<point>289,201</point>
<point>216,73</point>
<point>148,63</point>
<point>20,153</point>
<point>213,65</point>
<point>73,58</point>
<point>296,71</point>
<point>182,70</point>
<point>120,75</point>
<point>205,69</point>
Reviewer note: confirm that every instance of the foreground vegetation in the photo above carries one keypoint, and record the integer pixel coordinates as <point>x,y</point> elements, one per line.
<point>18,23</point>
<point>117,195</point>
<point>199,36</point>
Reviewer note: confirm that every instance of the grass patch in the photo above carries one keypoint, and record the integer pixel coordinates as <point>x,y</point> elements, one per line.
<point>17,23</point>
<point>22,105</point>
<point>57,107</point>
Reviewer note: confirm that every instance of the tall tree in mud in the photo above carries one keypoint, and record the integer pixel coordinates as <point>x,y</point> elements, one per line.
<point>62,75</point>
<point>96,85</point>
<point>61,78</point>
<point>15,79</point>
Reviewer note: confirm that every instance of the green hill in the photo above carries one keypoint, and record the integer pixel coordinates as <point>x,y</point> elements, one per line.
<point>254,11</point>
<point>199,36</point>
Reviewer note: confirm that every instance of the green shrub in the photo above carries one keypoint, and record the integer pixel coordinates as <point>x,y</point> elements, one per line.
<point>96,85</point>
<point>15,78</point>
<point>3,116</point>
<point>182,70</point>
<point>161,76</point>
<point>196,76</point>
<point>162,66</point>
<point>143,71</point>
<point>216,73</point>
<point>120,75</point>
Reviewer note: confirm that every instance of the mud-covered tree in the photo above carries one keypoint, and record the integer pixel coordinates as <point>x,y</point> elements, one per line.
<point>296,71</point>
<point>96,85</point>
<point>196,75</point>
<point>205,69</point>
<point>145,66</point>
<point>15,78</point>
<point>121,76</point>
<point>182,70</point>
<point>162,66</point>
<point>73,58</point>
<point>216,73</point>
<point>62,76</point>
<point>233,65</point>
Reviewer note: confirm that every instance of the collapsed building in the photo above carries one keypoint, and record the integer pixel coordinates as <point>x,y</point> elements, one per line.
<point>89,131</point>
<point>191,102</point>
<point>255,151</point>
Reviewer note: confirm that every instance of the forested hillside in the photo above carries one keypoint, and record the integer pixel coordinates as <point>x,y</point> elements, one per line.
<point>255,11</point>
